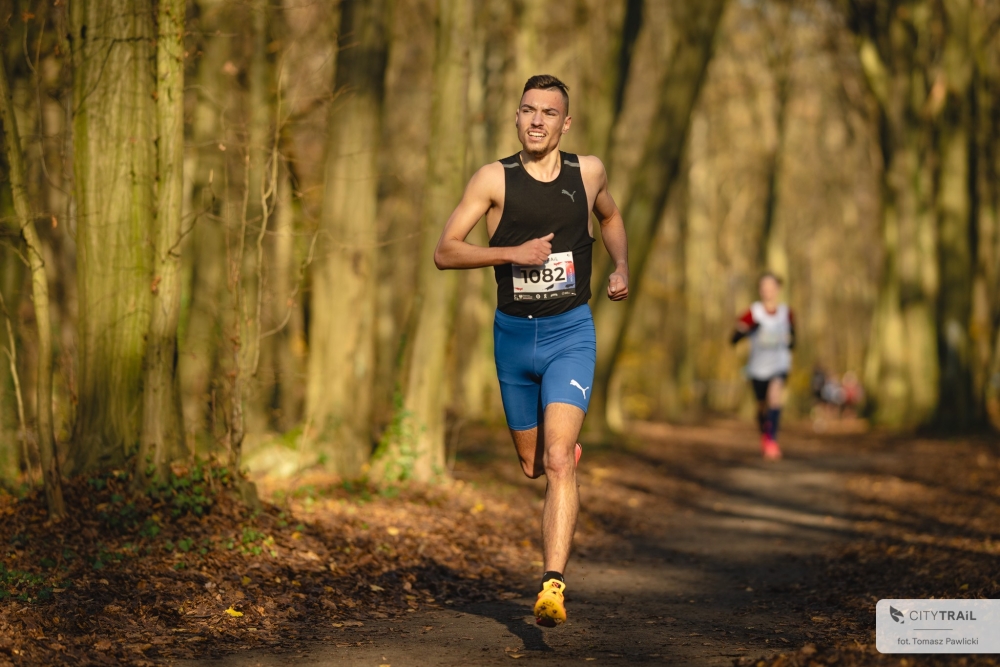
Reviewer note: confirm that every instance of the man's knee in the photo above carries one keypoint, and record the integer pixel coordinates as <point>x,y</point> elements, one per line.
<point>560,463</point>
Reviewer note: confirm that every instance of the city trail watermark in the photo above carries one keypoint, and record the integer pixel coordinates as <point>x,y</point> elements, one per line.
<point>937,626</point>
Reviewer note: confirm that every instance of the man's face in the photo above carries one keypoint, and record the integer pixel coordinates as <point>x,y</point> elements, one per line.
<point>770,290</point>
<point>541,120</point>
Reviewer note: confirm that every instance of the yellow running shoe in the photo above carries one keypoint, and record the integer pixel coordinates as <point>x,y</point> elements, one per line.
<point>550,609</point>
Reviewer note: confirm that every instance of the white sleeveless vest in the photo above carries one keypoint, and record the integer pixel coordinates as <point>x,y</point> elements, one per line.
<point>769,353</point>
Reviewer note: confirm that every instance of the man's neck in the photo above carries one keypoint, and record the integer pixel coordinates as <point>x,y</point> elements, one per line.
<point>544,168</point>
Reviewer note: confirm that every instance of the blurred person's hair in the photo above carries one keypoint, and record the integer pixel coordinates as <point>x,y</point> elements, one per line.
<point>773,276</point>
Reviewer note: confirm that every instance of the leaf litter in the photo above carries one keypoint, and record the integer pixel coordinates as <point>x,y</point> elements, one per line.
<point>136,579</point>
<point>927,525</point>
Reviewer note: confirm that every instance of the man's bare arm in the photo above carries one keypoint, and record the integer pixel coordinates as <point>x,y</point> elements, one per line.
<point>612,231</point>
<point>454,252</point>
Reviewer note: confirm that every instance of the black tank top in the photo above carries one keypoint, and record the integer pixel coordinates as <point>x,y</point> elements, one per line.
<point>531,210</point>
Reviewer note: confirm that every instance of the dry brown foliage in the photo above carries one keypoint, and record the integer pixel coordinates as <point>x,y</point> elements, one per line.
<point>124,581</point>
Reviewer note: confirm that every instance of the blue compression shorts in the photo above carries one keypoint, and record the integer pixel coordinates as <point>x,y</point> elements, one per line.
<point>544,360</point>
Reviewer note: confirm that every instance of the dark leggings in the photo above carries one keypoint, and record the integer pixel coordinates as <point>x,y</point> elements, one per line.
<point>767,417</point>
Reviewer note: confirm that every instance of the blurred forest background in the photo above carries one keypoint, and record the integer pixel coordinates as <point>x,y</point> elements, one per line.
<point>217,216</point>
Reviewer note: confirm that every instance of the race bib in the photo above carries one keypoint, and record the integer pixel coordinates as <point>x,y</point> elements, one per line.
<point>554,279</point>
<point>770,339</point>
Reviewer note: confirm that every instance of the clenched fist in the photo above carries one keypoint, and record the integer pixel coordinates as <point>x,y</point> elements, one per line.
<point>534,252</point>
<point>618,286</point>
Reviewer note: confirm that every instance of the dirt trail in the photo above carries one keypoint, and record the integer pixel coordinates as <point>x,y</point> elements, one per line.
<point>692,551</point>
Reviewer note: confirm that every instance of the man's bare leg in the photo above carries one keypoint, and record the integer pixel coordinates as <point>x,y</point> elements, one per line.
<point>531,451</point>
<point>562,497</point>
<point>550,451</point>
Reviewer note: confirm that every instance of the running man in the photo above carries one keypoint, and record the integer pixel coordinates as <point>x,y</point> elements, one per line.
<point>770,326</point>
<point>537,204</point>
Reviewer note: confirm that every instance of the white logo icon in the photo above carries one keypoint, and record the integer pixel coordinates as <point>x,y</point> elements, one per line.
<point>571,195</point>
<point>576,384</point>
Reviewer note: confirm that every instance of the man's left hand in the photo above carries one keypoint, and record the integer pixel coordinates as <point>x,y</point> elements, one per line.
<point>618,286</point>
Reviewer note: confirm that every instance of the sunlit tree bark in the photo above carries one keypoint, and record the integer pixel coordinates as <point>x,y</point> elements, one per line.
<point>284,322</point>
<point>955,182</point>
<point>261,165</point>
<point>427,380</point>
<point>402,177</point>
<point>114,164</point>
<point>162,433</point>
<point>916,56</point>
<point>199,347</point>
<point>774,251</point>
<point>985,327</point>
<point>40,294</point>
<point>341,340</point>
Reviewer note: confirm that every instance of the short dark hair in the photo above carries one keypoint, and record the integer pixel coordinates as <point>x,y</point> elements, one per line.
<point>773,276</point>
<point>547,82</point>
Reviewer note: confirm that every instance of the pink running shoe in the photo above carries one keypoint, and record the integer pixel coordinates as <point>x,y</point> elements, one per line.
<point>578,452</point>
<point>769,448</point>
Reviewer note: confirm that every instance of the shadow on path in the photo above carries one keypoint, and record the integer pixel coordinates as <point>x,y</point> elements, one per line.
<point>691,551</point>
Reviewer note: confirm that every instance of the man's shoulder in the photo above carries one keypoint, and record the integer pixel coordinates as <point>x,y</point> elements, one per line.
<point>591,165</point>
<point>487,181</point>
<point>489,174</point>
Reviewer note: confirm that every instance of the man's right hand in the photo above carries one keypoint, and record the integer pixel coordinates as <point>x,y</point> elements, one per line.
<point>533,253</point>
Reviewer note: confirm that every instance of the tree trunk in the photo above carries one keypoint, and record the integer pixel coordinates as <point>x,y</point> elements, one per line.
<point>774,248</point>
<point>427,381</point>
<point>40,295</point>
<point>199,347</point>
<point>985,326</point>
<point>902,370</point>
<point>285,315</point>
<point>261,163</point>
<point>604,44</point>
<point>162,430</point>
<point>402,177</point>
<point>114,163</point>
<point>956,408</point>
<point>343,300</point>
<point>660,165</point>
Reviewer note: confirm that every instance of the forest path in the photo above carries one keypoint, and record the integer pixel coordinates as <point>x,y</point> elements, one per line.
<point>692,551</point>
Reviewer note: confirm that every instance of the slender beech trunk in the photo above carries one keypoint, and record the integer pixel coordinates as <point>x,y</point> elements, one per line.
<point>261,159</point>
<point>285,319</point>
<point>343,300</point>
<point>985,326</point>
<point>162,437</point>
<point>602,37</point>
<point>660,165</point>
<point>114,157</point>
<point>40,295</point>
<point>402,175</point>
<point>199,349</point>
<point>956,220</point>
<point>774,248</point>
<point>427,381</point>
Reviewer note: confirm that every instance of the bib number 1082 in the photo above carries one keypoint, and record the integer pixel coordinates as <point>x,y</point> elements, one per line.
<point>554,279</point>
<point>545,275</point>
